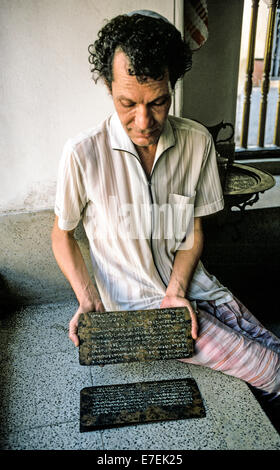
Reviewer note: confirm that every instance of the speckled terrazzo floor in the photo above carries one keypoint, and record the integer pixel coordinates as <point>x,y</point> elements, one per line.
<point>41,379</point>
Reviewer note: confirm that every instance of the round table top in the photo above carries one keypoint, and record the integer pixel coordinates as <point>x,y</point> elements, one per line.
<point>245,180</point>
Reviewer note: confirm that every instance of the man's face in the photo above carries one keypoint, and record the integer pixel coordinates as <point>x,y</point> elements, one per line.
<point>141,107</point>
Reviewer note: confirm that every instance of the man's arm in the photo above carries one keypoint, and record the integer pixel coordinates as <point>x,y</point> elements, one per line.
<point>71,262</point>
<point>184,266</point>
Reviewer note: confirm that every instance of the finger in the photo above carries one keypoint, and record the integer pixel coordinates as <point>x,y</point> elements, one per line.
<point>194,330</point>
<point>75,340</point>
<point>73,329</point>
<point>194,322</point>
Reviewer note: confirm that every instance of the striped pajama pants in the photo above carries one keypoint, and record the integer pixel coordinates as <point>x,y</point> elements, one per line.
<point>233,341</point>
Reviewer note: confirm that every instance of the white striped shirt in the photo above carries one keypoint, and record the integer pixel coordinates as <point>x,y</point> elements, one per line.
<point>135,224</point>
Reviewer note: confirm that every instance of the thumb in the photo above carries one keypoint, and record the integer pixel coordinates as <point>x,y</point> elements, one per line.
<point>194,330</point>
<point>73,329</point>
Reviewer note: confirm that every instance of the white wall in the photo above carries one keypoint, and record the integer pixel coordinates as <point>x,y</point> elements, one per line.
<point>46,90</point>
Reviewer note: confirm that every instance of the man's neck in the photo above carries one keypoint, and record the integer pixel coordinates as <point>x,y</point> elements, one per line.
<point>147,156</point>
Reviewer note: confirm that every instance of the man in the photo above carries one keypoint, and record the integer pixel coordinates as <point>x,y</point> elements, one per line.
<point>141,182</point>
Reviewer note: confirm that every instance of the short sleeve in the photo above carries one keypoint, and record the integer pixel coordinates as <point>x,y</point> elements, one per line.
<point>71,190</point>
<point>209,195</point>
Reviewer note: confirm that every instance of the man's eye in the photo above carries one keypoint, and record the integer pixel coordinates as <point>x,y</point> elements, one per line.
<point>160,102</point>
<point>127,104</point>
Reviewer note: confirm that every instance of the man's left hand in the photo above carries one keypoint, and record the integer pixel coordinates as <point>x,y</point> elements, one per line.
<point>175,301</point>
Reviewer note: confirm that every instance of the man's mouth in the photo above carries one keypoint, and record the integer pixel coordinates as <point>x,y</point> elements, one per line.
<point>146,134</point>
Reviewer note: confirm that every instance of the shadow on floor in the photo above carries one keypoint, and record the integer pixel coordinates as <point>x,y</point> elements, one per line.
<point>243,252</point>
<point>10,302</point>
<point>271,407</point>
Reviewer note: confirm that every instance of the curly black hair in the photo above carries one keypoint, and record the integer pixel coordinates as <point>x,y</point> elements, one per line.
<point>151,44</point>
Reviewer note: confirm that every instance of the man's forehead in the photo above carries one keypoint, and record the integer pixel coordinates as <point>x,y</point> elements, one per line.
<point>121,75</point>
<point>120,59</point>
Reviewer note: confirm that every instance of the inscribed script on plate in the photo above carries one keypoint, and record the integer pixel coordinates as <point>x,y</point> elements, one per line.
<point>138,335</point>
<point>120,405</point>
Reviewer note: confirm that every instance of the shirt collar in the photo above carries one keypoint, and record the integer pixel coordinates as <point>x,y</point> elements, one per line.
<point>120,140</point>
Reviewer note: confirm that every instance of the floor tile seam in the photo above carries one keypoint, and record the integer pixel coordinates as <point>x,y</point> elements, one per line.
<point>20,316</point>
<point>23,428</point>
<point>42,426</point>
<point>27,326</point>
<point>34,355</point>
<point>22,356</point>
<point>41,306</point>
<point>102,440</point>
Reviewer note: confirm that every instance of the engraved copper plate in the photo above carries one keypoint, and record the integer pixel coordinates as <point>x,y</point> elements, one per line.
<point>138,335</point>
<point>121,405</point>
<point>243,179</point>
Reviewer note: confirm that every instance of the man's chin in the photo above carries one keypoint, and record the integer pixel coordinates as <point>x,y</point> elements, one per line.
<point>145,141</point>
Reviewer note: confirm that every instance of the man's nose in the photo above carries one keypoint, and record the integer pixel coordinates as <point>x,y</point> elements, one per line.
<point>143,118</point>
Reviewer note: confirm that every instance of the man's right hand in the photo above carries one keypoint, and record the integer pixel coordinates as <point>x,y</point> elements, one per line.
<point>71,262</point>
<point>73,325</point>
